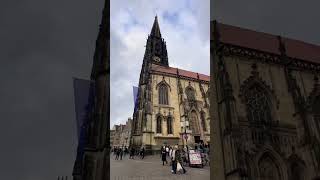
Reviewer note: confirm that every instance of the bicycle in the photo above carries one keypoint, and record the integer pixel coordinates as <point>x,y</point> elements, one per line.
<point>204,159</point>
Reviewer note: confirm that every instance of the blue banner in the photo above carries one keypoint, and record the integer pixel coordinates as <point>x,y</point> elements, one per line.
<point>84,102</point>
<point>135,97</point>
<point>83,98</point>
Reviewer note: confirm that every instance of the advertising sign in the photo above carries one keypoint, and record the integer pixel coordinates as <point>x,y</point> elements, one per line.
<point>195,158</point>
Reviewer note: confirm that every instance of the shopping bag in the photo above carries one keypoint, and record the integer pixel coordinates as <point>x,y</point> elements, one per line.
<point>179,167</point>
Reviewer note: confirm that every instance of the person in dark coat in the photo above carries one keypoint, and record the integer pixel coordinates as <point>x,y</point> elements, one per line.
<point>117,153</point>
<point>164,155</point>
<point>178,159</point>
<point>142,153</point>
<point>132,151</point>
<point>121,153</point>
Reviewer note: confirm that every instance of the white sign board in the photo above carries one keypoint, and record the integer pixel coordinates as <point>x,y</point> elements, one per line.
<point>195,158</point>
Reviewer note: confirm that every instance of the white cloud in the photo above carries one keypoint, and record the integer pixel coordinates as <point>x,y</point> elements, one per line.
<point>184,25</point>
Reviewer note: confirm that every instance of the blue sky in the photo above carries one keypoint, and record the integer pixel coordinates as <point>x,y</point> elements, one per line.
<point>184,25</point>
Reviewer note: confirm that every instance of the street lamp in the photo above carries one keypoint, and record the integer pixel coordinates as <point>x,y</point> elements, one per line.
<point>186,136</point>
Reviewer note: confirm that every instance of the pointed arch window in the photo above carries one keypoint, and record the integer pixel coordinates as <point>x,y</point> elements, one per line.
<point>159,124</point>
<point>194,123</point>
<point>297,171</point>
<point>203,121</point>
<point>190,94</point>
<point>316,111</point>
<point>258,105</point>
<point>169,125</point>
<point>268,169</point>
<point>163,94</point>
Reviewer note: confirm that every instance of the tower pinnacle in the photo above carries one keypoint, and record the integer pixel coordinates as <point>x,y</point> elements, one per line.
<point>155,31</point>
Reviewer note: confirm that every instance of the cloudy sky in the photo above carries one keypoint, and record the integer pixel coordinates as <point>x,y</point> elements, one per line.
<point>184,24</point>
<point>290,18</point>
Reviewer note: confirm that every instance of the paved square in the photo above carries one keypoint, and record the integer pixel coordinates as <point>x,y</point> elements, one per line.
<point>151,168</point>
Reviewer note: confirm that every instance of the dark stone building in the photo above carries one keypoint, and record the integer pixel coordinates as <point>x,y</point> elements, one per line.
<point>265,106</point>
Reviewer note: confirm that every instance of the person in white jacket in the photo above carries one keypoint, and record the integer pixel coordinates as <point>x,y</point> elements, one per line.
<point>167,150</point>
<point>173,160</point>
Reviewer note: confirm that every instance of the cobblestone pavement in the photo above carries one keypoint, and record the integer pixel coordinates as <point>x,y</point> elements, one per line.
<point>151,168</point>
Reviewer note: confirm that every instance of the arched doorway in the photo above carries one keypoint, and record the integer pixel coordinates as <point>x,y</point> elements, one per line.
<point>194,125</point>
<point>296,171</point>
<point>268,168</point>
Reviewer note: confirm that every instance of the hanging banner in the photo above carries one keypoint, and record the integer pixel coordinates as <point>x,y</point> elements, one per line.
<point>135,97</point>
<point>84,102</point>
<point>83,99</point>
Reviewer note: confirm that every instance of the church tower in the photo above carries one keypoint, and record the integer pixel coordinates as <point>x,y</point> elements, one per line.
<point>156,46</point>
<point>155,53</point>
<point>158,115</point>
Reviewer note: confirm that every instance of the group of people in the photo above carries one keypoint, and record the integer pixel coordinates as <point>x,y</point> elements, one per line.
<point>203,148</point>
<point>134,152</point>
<point>120,152</point>
<point>176,156</point>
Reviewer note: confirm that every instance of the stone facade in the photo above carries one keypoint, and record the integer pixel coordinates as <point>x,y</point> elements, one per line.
<point>91,162</point>
<point>266,105</point>
<point>121,134</point>
<point>171,103</point>
<point>112,135</point>
<point>126,134</point>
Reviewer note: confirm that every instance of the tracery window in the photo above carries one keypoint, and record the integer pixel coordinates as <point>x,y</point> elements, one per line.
<point>169,125</point>
<point>258,105</point>
<point>190,94</point>
<point>203,121</point>
<point>159,124</point>
<point>316,111</point>
<point>316,117</point>
<point>163,94</point>
<point>296,172</point>
<point>194,123</point>
<point>268,169</point>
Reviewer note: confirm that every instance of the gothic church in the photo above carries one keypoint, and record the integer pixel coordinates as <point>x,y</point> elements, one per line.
<point>173,104</point>
<point>265,106</point>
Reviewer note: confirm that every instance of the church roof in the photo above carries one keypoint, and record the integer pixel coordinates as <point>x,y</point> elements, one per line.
<point>183,73</point>
<point>267,42</point>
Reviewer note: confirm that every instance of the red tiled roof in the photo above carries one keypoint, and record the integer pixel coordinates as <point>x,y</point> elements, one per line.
<point>301,50</point>
<point>268,43</point>
<point>175,71</point>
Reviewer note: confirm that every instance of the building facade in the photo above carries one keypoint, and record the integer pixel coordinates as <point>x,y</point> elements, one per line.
<point>172,104</point>
<point>265,103</point>
<point>112,135</point>
<point>126,134</point>
<point>93,157</point>
<point>121,134</point>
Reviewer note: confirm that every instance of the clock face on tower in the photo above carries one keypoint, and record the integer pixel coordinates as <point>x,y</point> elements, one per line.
<point>156,59</point>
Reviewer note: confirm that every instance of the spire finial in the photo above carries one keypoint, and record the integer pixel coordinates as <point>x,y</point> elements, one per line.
<point>155,31</point>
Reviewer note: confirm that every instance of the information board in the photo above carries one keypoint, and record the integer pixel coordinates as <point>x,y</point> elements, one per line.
<point>195,157</point>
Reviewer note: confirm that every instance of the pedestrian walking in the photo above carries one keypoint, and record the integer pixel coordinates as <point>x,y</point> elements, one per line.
<point>173,160</point>
<point>121,153</point>
<point>125,151</point>
<point>142,153</point>
<point>178,159</point>
<point>167,150</point>
<point>132,152</point>
<point>170,155</point>
<point>117,153</point>
<point>164,155</point>
<point>114,150</point>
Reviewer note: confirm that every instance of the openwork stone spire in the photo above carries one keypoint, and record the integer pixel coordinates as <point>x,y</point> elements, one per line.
<point>155,31</point>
